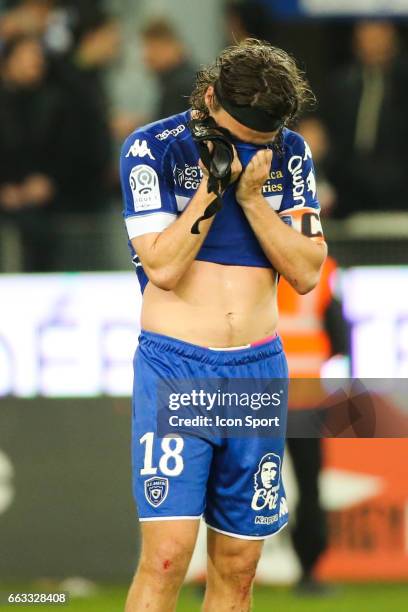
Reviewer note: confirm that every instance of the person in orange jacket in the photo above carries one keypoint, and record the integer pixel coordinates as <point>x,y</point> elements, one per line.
<point>312,329</point>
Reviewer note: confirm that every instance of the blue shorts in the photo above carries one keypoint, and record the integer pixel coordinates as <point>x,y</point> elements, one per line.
<point>236,483</point>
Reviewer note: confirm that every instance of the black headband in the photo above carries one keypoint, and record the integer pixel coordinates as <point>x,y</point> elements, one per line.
<point>252,117</point>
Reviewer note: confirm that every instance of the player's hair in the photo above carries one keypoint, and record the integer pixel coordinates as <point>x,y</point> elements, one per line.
<point>254,73</point>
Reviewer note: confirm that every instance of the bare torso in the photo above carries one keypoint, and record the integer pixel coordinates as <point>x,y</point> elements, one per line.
<point>214,305</point>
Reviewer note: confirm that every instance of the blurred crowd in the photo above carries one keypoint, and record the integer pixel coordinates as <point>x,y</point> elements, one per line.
<point>67,102</point>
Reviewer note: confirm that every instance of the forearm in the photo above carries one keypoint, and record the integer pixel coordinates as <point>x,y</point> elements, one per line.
<point>174,250</point>
<point>296,257</point>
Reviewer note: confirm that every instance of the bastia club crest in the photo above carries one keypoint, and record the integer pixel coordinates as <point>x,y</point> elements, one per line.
<point>156,490</point>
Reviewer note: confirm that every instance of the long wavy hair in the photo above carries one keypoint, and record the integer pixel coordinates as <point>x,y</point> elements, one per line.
<point>255,73</point>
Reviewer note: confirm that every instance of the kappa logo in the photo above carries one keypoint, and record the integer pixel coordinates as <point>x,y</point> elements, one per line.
<point>267,482</point>
<point>140,149</point>
<point>283,508</point>
<point>156,490</point>
<point>175,132</point>
<point>308,152</point>
<point>311,183</point>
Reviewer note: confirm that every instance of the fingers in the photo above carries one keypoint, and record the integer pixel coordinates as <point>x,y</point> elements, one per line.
<point>236,167</point>
<point>260,165</point>
<point>262,159</point>
<point>203,168</point>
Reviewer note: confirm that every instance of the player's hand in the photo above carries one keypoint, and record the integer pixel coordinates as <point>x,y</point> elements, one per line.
<point>254,177</point>
<point>236,166</point>
<point>99,46</point>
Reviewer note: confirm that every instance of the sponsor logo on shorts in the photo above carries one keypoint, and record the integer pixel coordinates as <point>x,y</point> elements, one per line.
<point>175,132</point>
<point>267,482</point>
<point>270,520</point>
<point>144,183</point>
<point>156,490</point>
<point>266,520</point>
<point>283,507</point>
<point>140,149</point>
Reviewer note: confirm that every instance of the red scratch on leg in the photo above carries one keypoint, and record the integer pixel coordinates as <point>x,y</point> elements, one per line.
<point>166,564</point>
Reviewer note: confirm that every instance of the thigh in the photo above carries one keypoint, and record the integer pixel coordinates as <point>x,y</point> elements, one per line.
<point>246,497</point>
<point>170,473</point>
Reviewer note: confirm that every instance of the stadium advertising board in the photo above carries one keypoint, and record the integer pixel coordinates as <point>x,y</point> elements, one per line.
<point>350,7</point>
<point>336,8</point>
<point>74,335</point>
<point>68,335</point>
<point>66,507</point>
<point>365,490</point>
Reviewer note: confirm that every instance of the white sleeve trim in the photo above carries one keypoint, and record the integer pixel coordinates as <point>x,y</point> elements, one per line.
<point>147,224</point>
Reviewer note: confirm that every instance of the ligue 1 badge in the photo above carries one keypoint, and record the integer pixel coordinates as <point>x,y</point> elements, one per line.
<point>156,490</point>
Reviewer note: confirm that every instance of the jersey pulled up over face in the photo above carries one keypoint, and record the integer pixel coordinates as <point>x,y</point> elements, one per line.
<point>160,175</point>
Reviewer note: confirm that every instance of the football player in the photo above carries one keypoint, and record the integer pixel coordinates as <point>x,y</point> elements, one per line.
<point>210,311</point>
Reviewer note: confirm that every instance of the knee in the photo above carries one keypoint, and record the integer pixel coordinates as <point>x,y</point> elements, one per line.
<point>238,568</point>
<point>166,563</point>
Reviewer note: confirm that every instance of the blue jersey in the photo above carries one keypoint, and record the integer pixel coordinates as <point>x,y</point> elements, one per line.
<point>160,175</point>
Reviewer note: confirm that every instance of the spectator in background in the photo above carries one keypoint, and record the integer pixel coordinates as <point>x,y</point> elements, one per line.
<point>368,124</point>
<point>165,55</point>
<point>80,28</point>
<point>246,19</point>
<point>78,31</point>
<point>315,133</point>
<point>97,42</point>
<point>37,16</point>
<point>54,150</point>
<point>25,17</point>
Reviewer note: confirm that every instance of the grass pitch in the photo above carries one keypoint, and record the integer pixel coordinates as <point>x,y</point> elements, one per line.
<point>348,598</point>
